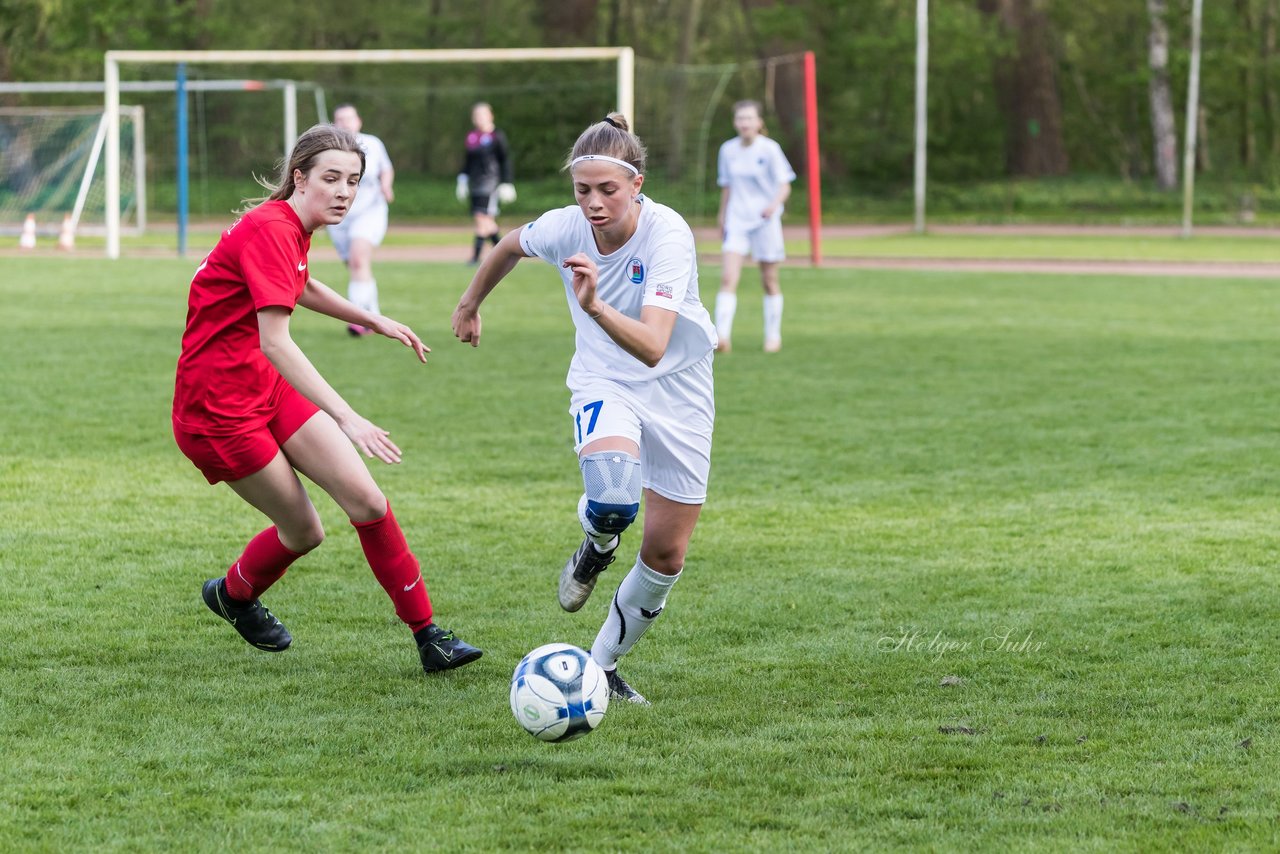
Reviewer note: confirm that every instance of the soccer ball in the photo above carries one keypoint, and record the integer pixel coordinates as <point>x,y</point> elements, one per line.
<point>558,693</point>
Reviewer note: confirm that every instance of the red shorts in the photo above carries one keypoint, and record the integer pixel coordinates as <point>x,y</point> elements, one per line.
<point>241,454</point>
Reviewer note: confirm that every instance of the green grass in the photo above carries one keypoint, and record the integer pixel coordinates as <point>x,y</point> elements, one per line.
<point>1074,199</point>
<point>1086,465</point>
<point>1203,247</point>
<point>1261,248</point>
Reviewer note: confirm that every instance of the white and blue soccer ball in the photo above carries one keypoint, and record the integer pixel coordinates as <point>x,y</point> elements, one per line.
<point>558,693</point>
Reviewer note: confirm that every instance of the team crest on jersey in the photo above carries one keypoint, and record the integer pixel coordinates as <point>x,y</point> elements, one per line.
<point>635,269</point>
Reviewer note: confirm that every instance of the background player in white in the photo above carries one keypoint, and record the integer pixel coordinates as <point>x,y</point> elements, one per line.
<point>755,178</point>
<point>366,224</point>
<point>485,179</point>
<point>642,403</point>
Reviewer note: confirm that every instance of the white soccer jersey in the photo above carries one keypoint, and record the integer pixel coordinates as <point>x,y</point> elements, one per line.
<point>657,266</point>
<point>753,173</point>
<point>376,161</point>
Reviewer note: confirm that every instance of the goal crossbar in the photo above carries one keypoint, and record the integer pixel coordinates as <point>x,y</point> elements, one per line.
<point>113,59</point>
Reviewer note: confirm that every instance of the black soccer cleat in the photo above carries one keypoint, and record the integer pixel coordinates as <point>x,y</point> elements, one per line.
<point>255,623</point>
<point>620,690</point>
<point>578,578</point>
<point>443,650</point>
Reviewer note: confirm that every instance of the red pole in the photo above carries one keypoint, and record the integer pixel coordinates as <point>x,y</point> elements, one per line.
<point>815,170</point>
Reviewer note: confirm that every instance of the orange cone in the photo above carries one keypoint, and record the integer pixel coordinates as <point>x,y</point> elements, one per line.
<point>28,238</point>
<point>67,237</point>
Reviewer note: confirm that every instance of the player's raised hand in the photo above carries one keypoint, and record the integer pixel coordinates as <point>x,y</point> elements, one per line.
<point>466,325</point>
<point>398,331</point>
<point>585,274</point>
<point>370,439</point>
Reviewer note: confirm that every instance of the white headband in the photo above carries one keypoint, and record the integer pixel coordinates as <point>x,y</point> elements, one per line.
<point>622,163</point>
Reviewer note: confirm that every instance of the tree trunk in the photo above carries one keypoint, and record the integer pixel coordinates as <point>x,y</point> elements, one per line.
<point>782,91</point>
<point>680,90</point>
<point>568,22</point>
<point>1248,139</point>
<point>611,28</point>
<point>1270,105</point>
<point>1163,134</point>
<point>1203,162</point>
<point>1027,89</point>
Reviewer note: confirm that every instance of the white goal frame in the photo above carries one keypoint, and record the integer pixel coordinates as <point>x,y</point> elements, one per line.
<point>113,59</point>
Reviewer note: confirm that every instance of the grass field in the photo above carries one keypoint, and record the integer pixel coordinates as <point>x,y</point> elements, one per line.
<point>1205,246</point>
<point>988,564</point>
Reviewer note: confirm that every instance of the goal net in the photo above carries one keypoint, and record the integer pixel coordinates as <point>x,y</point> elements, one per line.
<point>419,103</point>
<point>686,112</point>
<point>52,167</point>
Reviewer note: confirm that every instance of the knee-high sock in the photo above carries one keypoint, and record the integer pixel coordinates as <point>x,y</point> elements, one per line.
<point>773,317</point>
<point>477,246</point>
<point>263,562</point>
<point>639,600</point>
<point>726,308</point>
<point>396,568</point>
<point>364,294</point>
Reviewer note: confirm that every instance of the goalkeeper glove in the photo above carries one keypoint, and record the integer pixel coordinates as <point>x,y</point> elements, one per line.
<point>506,193</point>
<point>463,189</point>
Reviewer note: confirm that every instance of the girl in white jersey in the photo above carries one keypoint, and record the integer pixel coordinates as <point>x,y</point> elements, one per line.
<point>365,225</point>
<point>642,404</point>
<point>755,180</point>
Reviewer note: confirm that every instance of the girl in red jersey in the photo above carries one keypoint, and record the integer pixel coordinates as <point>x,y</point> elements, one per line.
<point>250,409</point>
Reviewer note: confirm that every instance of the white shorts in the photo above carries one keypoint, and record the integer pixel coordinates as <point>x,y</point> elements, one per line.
<point>670,418</point>
<point>370,225</point>
<point>764,242</point>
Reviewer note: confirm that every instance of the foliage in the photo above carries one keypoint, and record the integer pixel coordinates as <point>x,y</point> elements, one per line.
<point>865,51</point>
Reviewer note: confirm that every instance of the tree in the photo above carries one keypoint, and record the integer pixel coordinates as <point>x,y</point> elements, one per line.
<point>1027,89</point>
<point>1164,135</point>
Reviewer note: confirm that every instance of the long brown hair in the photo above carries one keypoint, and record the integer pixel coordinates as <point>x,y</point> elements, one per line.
<point>613,138</point>
<point>316,140</point>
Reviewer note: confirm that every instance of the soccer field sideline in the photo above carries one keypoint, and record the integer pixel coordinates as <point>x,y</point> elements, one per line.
<point>1076,250</point>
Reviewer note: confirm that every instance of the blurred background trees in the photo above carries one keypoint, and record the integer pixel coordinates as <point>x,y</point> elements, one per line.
<point>1018,89</point>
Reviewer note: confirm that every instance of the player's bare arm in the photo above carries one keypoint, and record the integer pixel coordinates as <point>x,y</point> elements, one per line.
<point>646,338</point>
<point>322,299</point>
<point>387,179</point>
<point>287,358</point>
<point>499,262</point>
<point>779,199</point>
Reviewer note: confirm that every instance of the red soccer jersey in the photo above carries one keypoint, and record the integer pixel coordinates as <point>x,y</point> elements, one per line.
<point>224,382</point>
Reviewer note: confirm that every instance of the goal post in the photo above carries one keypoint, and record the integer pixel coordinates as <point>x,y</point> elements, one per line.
<point>624,57</point>
<point>51,167</point>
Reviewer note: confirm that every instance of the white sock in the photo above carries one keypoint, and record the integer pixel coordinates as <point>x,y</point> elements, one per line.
<point>364,295</point>
<point>640,599</point>
<point>773,317</point>
<point>726,308</point>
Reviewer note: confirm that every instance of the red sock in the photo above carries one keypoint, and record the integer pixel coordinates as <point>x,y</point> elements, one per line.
<point>396,568</point>
<point>264,560</point>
